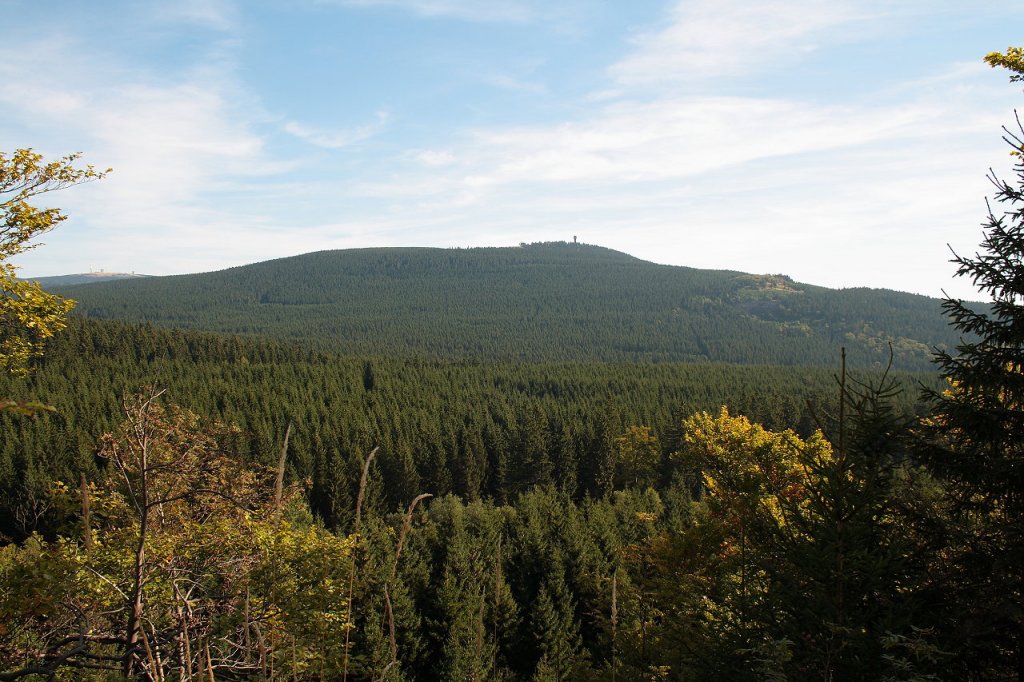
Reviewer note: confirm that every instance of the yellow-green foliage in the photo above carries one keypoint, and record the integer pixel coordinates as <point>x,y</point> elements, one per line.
<point>229,581</point>
<point>28,315</point>
<point>1013,60</point>
<point>749,471</point>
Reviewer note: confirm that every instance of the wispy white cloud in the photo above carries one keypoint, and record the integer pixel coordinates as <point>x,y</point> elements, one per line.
<point>507,82</point>
<point>338,138</point>
<point>221,15</point>
<point>173,142</point>
<point>435,158</point>
<point>502,11</point>
<point>674,139</point>
<point>704,39</point>
<point>678,138</point>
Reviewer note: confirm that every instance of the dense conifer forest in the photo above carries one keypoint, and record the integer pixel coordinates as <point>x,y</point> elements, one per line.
<point>477,429</point>
<point>546,484</point>
<point>538,302</point>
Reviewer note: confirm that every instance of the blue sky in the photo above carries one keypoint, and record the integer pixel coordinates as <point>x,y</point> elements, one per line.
<point>844,143</point>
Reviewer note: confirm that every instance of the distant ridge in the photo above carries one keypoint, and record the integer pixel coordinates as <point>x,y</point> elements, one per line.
<point>552,301</point>
<point>82,278</point>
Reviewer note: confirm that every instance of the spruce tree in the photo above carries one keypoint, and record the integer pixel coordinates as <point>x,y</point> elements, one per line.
<point>556,631</point>
<point>981,416</point>
<point>976,433</point>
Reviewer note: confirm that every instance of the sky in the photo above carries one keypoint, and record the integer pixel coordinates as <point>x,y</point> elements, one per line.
<point>841,142</point>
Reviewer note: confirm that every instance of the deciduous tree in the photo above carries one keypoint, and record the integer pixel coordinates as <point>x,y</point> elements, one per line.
<point>28,315</point>
<point>194,571</point>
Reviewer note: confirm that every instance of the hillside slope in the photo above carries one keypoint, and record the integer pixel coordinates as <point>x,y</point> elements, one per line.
<point>542,302</point>
<point>57,281</point>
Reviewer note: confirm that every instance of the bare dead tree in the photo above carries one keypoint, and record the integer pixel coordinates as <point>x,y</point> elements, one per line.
<point>86,520</point>
<point>352,573</point>
<point>389,612</point>
<point>279,481</point>
<point>406,525</point>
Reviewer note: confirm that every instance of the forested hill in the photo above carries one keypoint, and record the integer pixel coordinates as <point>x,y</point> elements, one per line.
<point>539,302</point>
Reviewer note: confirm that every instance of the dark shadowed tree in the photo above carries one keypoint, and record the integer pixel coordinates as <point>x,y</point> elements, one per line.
<point>975,435</point>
